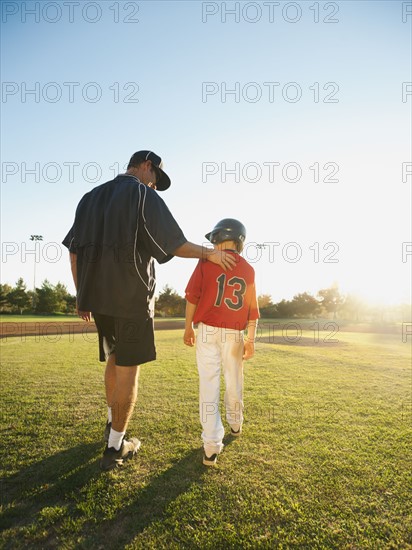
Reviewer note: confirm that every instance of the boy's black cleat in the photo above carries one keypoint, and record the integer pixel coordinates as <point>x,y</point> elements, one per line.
<point>113,459</point>
<point>209,460</point>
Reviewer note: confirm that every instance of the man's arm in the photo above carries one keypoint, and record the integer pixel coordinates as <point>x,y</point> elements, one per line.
<point>220,257</point>
<point>189,335</point>
<point>85,315</point>
<point>73,265</point>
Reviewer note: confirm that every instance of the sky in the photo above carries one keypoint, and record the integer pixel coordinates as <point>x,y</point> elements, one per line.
<point>293,117</point>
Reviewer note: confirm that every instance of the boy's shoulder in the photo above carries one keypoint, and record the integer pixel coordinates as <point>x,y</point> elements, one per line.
<point>245,264</point>
<point>241,265</point>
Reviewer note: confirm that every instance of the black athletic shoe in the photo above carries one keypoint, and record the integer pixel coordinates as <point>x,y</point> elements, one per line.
<point>113,459</point>
<point>237,433</point>
<point>209,460</point>
<point>107,431</point>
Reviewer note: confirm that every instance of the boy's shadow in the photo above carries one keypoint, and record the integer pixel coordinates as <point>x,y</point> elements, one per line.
<point>150,504</point>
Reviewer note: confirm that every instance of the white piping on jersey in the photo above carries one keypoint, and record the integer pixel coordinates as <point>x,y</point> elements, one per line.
<point>148,232</point>
<point>70,245</point>
<point>135,243</point>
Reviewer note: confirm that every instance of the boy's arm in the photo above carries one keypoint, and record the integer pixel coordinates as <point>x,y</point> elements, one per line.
<point>189,335</point>
<point>249,341</point>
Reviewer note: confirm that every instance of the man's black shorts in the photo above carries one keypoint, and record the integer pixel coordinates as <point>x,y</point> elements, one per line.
<point>131,340</point>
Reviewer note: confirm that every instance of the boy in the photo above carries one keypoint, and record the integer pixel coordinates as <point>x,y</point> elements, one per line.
<point>224,305</point>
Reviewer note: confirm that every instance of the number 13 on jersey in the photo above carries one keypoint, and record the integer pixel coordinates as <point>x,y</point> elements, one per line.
<point>238,288</point>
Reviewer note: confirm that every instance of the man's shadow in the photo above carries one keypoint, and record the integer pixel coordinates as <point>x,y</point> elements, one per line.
<point>55,480</point>
<point>47,482</point>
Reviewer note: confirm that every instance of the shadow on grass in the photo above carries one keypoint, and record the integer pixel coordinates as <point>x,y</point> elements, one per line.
<point>151,503</point>
<point>48,481</point>
<point>55,481</point>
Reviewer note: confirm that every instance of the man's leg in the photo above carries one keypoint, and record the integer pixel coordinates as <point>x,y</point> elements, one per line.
<point>123,399</point>
<point>110,378</point>
<point>124,395</point>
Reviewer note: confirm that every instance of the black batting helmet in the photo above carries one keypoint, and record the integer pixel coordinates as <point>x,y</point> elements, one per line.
<point>228,229</point>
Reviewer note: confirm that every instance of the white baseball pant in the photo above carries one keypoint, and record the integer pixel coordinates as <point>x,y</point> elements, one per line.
<point>215,347</point>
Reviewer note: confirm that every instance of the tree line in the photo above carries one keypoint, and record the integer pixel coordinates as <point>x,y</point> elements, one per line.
<point>49,299</point>
<point>329,302</point>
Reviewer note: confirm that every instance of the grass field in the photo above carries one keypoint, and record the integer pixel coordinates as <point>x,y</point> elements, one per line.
<point>324,460</point>
<point>37,318</point>
<point>49,318</point>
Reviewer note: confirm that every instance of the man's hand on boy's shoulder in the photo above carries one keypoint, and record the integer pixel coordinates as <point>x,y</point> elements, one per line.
<point>189,337</point>
<point>226,260</point>
<point>249,349</point>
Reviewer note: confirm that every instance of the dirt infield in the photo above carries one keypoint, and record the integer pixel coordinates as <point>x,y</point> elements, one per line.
<point>10,329</point>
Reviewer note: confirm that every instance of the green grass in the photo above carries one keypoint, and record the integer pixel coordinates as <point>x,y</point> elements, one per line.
<point>60,318</point>
<point>37,318</point>
<point>323,461</point>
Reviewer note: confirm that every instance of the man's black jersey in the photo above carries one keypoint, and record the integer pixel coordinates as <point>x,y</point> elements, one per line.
<point>120,227</point>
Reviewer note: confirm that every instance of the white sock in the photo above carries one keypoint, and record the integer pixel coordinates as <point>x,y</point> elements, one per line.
<point>115,439</point>
<point>109,414</point>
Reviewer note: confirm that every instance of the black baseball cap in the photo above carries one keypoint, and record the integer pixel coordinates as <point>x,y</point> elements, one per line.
<point>163,180</point>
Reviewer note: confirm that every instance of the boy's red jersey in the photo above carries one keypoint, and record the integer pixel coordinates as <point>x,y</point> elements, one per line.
<point>224,298</point>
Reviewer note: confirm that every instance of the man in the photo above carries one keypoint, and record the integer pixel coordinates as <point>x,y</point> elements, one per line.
<point>120,227</point>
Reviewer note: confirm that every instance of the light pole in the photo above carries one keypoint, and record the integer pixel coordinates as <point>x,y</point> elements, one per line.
<point>35,238</point>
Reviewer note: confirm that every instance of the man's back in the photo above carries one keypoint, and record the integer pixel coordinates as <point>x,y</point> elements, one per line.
<point>119,227</point>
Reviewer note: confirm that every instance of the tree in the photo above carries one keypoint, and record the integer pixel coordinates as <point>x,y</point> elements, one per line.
<point>305,305</point>
<point>353,308</point>
<point>284,309</point>
<point>267,308</point>
<point>5,305</point>
<point>18,297</point>
<point>47,299</point>
<point>170,304</point>
<point>70,304</point>
<point>331,299</point>
<point>54,299</point>
<point>64,299</point>
<point>264,300</point>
